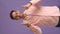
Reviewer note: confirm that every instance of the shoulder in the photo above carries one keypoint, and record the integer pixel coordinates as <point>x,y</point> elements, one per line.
<point>54,10</point>
<point>50,7</point>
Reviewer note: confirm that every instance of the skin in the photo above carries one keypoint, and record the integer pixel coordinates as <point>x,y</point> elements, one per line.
<point>21,15</point>
<point>17,14</point>
<point>27,6</point>
<point>32,27</point>
<point>35,29</point>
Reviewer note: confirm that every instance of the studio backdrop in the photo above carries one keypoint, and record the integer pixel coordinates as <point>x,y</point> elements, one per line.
<point>9,26</point>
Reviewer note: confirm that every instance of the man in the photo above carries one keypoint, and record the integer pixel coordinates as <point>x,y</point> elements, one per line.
<point>15,15</point>
<point>35,15</point>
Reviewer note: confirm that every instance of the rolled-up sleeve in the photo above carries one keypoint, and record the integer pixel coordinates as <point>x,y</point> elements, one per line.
<point>35,29</point>
<point>35,1</point>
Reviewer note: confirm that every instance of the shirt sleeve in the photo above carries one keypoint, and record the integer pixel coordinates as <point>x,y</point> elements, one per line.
<point>35,1</point>
<point>35,29</point>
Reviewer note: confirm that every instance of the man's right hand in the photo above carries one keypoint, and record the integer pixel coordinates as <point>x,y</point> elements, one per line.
<point>27,5</point>
<point>26,23</point>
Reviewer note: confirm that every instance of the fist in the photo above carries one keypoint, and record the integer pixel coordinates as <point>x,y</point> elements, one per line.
<point>26,23</point>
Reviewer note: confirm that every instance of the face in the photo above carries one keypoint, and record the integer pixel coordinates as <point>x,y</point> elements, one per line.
<point>17,15</point>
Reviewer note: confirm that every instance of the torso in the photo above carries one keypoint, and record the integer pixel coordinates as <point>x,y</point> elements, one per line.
<point>46,18</point>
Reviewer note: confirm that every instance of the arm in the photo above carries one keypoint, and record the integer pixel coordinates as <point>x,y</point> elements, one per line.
<point>34,2</point>
<point>34,29</point>
<point>27,5</point>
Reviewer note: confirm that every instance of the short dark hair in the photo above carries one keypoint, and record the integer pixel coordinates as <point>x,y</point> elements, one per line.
<point>11,14</point>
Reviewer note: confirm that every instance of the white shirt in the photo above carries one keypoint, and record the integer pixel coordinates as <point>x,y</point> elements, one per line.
<point>35,29</point>
<point>35,1</point>
<point>48,15</point>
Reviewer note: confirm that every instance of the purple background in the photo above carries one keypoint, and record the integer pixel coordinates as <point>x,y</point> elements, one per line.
<point>8,26</point>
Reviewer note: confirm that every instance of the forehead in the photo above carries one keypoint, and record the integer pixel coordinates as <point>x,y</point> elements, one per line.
<point>16,12</point>
<point>13,13</point>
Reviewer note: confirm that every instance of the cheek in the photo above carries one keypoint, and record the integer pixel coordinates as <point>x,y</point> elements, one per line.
<point>14,16</point>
